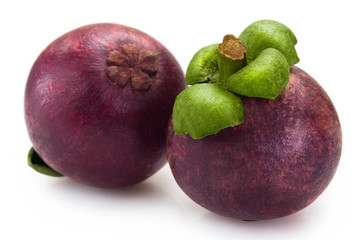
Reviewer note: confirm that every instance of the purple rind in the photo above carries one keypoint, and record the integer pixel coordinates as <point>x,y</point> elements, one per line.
<point>277,162</point>
<point>87,127</point>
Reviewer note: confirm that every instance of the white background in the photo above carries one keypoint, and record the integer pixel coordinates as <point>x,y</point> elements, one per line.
<point>33,206</point>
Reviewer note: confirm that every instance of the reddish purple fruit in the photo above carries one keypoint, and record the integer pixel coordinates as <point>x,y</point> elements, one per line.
<point>97,104</point>
<point>278,161</point>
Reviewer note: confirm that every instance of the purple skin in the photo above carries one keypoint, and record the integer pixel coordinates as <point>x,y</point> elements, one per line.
<point>97,104</point>
<point>277,162</point>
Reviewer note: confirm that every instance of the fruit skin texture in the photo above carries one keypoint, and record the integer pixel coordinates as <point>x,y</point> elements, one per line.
<point>278,161</point>
<point>89,127</point>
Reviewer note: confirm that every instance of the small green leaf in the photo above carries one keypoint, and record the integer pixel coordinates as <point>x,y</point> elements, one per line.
<point>265,77</point>
<point>205,109</point>
<point>269,34</point>
<point>203,66</point>
<point>37,163</point>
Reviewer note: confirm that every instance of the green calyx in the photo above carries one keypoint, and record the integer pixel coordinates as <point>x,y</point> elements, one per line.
<point>257,64</point>
<point>204,109</point>
<point>264,77</point>
<point>270,34</point>
<point>203,66</point>
<point>37,163</point>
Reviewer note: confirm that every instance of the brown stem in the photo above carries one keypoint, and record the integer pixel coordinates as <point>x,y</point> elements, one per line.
<point>231,57</point>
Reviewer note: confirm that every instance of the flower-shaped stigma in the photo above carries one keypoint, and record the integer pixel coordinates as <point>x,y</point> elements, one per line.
<point>139,66</point>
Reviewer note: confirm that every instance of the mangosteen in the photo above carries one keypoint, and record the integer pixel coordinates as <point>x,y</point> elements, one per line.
<point>266,142</point>
<point>97,104</point>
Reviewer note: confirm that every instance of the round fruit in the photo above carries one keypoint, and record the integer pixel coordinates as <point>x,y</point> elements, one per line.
<point>97,104</point>
<point>275,163</point>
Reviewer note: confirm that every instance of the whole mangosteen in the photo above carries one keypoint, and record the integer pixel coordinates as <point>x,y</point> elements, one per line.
<point>97,104</point>
<point>253,138</point>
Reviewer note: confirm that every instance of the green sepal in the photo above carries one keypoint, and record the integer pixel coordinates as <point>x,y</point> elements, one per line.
<point>203,66</point>
<point>205,109</point>
<point>37,163</point>
<point>269,34</point>
<point>265,77</point>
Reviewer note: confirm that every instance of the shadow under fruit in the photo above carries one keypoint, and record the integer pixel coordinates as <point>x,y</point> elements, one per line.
<point>97,104</point>
<point>275,163</point>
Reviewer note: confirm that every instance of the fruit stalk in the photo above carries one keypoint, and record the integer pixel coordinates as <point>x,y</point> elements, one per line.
<point>231,57</point>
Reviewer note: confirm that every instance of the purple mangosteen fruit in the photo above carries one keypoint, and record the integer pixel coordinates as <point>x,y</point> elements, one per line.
<point>253,137</point>
<point>97,104</point>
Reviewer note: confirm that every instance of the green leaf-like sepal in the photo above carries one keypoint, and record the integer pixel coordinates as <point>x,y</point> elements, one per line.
<point>203,66</point>
<point>269,34</point>
<point>211,103</point>
<point>37,163</point>
<point>265,77</point>
<point>205,109</point>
